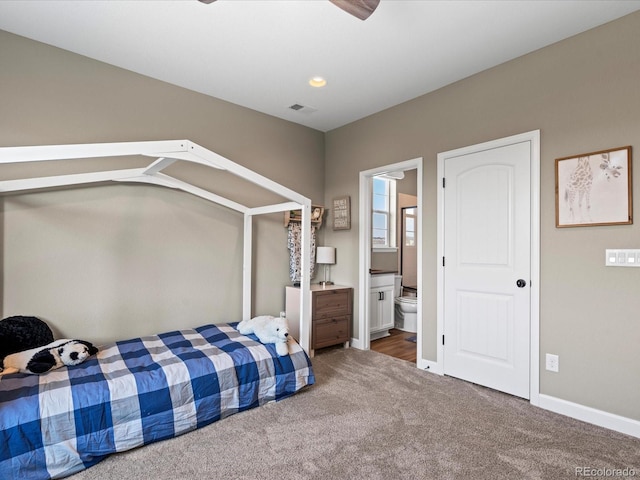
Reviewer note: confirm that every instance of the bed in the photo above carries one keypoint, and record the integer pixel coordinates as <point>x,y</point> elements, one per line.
<point>148,389</point>
<point>136,392</point>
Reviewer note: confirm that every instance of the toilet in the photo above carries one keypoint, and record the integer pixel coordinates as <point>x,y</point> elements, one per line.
<point>406,308</point>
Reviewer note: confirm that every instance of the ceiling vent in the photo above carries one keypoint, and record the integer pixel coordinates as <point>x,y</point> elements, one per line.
<point>302,108</point>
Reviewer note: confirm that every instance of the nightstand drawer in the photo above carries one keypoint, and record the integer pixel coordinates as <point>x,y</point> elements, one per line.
<point>331,331</point>
<point>331,303</point>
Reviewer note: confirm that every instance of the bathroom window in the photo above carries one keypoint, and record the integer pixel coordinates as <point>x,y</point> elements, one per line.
<point>383,213</point>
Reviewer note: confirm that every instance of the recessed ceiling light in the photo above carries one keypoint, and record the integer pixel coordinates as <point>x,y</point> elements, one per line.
<point>317,82</point>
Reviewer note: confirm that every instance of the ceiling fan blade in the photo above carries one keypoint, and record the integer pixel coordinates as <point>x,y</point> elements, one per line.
<point>361,9</point>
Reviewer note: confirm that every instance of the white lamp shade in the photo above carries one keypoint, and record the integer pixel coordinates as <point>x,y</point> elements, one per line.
<point>326,255</point>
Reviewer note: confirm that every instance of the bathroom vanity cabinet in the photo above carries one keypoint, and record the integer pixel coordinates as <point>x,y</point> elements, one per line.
<point>381,305</point>
<point>331,314</point>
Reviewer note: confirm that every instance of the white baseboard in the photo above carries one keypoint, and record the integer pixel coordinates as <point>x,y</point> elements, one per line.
<point>355,343</point>
<point>601,418</point>
<point>429,366</point>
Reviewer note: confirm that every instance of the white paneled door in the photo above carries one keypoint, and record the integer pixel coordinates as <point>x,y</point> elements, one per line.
<point>487,262</point>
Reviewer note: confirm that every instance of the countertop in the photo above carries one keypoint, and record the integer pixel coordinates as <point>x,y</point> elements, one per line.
<point>375,271</point>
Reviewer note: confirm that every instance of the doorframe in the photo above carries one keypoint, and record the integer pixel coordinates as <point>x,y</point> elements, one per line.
<point>534,334</point>
<point>363,342</point>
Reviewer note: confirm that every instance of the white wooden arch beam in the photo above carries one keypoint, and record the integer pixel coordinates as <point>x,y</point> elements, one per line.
<point>211,158</point>
<point>11,186</point>
<point>127,175</point>
<point>166,153</point>
<point>171,182</point>
<point>90,150</point>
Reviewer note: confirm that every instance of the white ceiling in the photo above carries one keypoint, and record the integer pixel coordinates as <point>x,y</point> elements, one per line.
<point>260,54</point>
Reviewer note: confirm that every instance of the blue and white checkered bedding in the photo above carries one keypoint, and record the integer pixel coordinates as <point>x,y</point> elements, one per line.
<point>137,392</point>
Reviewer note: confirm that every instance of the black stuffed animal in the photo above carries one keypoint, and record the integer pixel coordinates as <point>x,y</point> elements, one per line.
<point>21,333</point>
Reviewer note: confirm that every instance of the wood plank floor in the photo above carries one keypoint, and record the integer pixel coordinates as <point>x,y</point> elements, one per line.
<point>397,345</point>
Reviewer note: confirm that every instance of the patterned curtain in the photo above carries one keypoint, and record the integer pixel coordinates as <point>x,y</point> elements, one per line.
<point>295,258</point>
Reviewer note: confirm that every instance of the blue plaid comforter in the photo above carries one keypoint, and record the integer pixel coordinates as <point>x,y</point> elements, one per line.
<point>137,392</point>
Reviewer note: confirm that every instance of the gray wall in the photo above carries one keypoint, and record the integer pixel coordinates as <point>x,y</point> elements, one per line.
<point>583,95</point>
<point>95,262</point>
<point>111,262</point>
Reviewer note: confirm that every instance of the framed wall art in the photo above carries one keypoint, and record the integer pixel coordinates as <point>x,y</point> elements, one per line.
<point>342,213</point>
<point>594,189</point>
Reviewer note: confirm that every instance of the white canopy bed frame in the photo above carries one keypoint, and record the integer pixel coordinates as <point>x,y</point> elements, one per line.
<point>166,153</point>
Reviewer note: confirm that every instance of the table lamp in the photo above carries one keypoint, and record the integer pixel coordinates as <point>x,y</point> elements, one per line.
<point>326,256</point>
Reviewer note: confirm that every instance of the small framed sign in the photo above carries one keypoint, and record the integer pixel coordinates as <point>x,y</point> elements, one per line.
<point>342,213</point>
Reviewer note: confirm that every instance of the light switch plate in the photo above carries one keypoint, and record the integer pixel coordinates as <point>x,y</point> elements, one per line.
<point>621,257</point>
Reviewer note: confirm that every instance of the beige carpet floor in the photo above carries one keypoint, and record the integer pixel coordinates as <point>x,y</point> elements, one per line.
<point>371,416</point>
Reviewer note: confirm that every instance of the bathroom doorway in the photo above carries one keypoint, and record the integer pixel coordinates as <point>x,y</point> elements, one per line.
<point>401,341</point>
<point>408,223</point>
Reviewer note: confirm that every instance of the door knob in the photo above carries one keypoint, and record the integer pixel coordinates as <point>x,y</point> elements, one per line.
<point>521,283</point>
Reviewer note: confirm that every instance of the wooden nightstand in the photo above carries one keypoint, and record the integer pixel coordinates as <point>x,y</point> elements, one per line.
<point>331,314</point>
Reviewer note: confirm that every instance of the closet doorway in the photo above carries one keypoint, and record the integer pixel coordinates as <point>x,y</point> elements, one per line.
<point>366,244</point>
<point>488,285</point>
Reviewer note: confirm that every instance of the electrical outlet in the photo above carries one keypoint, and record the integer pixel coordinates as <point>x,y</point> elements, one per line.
<point>553,362</point>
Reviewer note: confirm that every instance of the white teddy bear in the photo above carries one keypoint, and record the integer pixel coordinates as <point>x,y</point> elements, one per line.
<point>268,329</point>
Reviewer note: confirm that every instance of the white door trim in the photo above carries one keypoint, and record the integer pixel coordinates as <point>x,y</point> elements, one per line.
<point>534,138</point>
<point>362,342</point>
